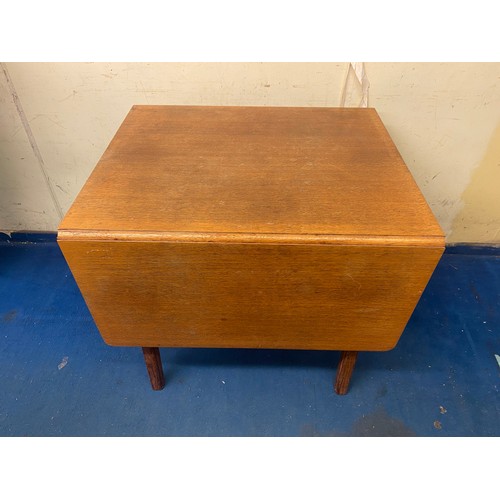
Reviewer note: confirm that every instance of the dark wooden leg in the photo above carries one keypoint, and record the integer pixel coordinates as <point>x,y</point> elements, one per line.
<point>344,371</point>
<point>155,370</point>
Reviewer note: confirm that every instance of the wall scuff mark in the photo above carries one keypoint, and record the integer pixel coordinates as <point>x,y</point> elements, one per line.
<point>31,138</point>
<point>358,68</point>
<point>479,218</point>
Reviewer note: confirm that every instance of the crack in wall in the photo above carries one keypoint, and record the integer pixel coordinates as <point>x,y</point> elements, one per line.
<point>31,139</point>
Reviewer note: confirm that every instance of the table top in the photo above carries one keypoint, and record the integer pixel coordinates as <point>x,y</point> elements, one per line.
<point>277,174</point>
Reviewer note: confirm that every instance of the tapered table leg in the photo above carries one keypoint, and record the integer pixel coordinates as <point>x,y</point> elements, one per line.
<point>344,371</point>
<point>155,369</point>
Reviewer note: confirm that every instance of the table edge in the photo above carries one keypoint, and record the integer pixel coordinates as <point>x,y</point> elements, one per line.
<point>259,238</point>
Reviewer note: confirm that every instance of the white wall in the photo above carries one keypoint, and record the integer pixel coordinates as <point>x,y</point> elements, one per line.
<point>442,117</point>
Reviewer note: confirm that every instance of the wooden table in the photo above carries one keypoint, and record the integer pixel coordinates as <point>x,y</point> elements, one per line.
<point>254,227</point>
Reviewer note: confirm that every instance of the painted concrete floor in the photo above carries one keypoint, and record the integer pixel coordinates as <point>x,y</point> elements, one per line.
<point>58,378</point>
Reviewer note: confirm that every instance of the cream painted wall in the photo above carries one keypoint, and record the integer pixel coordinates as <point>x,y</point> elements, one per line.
<point>442,117</point>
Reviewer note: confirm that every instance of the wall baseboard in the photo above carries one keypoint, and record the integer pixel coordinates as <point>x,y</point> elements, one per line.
<point>28,237</point>
<point>473,249</point>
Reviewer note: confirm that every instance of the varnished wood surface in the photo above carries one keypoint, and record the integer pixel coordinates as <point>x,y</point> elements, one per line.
<point>296,228</point>
<point>339,297</point>
<point>285,239</point>
<point>152,359</point>
<point>344,371</point>
<point>280,172</point>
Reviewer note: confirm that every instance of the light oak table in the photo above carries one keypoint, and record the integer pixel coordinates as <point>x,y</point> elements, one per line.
<point>253,227</point>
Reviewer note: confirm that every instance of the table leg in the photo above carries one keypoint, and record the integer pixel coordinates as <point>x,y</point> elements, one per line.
<point>344,371</point>
<point>155,369</point>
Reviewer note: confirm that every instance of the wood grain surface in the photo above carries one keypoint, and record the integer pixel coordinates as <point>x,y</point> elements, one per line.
<point>339,297</point>
<point>296,228</point>
<point>275,171</point>
<point>152,358</point>
<point>344,371</point>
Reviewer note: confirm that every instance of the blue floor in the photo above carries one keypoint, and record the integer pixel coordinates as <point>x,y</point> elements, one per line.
<point>58,378</point>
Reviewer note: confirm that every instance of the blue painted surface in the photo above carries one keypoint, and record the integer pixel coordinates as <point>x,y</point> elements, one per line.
<point>443,369</point>
<point>34,237</point>
<point>473,250</point>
